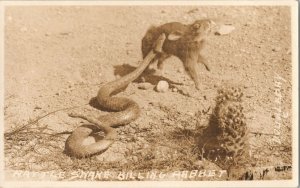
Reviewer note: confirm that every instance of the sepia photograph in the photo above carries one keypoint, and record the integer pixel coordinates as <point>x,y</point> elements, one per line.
<point>146,94</point>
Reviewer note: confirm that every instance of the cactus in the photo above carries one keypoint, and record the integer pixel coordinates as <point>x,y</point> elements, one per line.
<point>231,122</point>
<point>225,140</point>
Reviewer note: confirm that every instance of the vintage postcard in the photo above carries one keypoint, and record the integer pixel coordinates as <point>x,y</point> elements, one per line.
<point>149,93</point>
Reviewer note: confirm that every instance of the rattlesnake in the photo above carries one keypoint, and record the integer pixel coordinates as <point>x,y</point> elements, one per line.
<point>126,109</point>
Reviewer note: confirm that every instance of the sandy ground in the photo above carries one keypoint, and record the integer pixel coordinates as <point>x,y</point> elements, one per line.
<point>58,57</point>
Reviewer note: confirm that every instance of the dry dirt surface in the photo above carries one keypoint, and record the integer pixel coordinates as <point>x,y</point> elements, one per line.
<point>57,58</point>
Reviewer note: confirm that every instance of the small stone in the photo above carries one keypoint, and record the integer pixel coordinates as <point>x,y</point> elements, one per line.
<point>282,148</point>
<point>146,146</point>
<point>289,52</point>
<point>145,86</point>
<point>135,159</point>
<point>162,86</point>
<point>225,29</point>
<point>174,89</point>
<point>37,108</point>
<point>128,52</point>
<point>276,49</point>
<point>186,93</point>
<point>191,113</point>
<point>276,153</point>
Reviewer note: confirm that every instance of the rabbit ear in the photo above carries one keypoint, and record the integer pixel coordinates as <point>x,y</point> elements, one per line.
<point>175,35</point>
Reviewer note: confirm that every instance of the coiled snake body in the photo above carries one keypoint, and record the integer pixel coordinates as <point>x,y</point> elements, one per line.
<point>127,111</point>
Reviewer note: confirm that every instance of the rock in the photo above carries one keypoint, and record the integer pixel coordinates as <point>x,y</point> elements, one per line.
<point>276,49</point>
<point>145,86</point>
<point>37,107</point>
<point>191,113</point>
<point>185,93</point>
<point>282,148</point>
<point>162,86</point>
<point>135,159</point>
<point>225,29</point>
<point>174,89</point>
<point>276,153</point>
<point>128,52</point>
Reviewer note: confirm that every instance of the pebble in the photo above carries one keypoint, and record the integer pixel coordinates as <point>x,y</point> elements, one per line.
<point>135,159</point>
<point>162,86</point>
<point>128,52</point>
<point>191,113</point>
<point>129,147</point>
<point>186,93</point>
<point>276,153</point>
<point>276,49</point>
<point>174,89</point>
<point>255,156</point>
<point>282,148</point>
<point>37,107</point>
<point>225,29</point>
<point>145,86</point>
